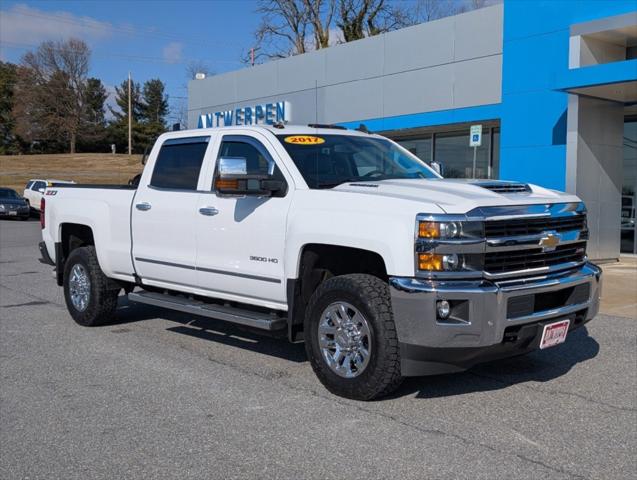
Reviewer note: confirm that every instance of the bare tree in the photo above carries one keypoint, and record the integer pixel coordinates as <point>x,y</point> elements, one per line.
<point>283,30</point>
<point>428,10</point>
<point>365,18</point>
<point>320,14</point>
<point>52,86</point>
<point>292,27</point>
<point>195,67</point>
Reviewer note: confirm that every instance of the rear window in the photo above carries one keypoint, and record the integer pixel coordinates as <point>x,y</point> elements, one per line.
<point>179,163</point>
<point>8,193</point>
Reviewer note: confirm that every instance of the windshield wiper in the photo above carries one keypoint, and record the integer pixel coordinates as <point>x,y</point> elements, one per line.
<point>340,182</point>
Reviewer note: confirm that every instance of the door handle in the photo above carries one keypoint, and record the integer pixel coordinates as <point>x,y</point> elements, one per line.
<point>208,211</point>
<point>144,206</point>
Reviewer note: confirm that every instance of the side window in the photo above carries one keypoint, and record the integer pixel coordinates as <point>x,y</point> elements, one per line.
<point>38,185</point>
<point>258,160</point>
<point>29,185</point>
<point>179,163</point>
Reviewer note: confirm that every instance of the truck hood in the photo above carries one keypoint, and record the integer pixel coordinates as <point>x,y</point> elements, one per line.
<point>459,196</point>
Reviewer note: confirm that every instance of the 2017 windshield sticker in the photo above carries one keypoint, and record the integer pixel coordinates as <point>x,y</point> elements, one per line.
<point>304,140</point>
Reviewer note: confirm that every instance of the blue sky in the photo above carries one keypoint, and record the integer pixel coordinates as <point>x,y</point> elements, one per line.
<point>152,39</point>
<point>149,38</point>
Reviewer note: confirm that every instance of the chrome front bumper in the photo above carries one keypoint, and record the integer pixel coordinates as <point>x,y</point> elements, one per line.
<point>430,345</point>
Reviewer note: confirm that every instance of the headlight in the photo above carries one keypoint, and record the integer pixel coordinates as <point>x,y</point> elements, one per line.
<point>436,230</point>
<point>449,245</point>
<point>2,208</point>
<point>448,262</point>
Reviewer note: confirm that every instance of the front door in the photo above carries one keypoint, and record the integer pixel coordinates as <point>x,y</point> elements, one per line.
<point>165,212</point>
<point>241,240</point>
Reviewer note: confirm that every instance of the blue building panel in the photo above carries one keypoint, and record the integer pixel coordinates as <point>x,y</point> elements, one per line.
<point>542,165</point>
<point>604,74</point>
<point>427,119</point>
<point>535,73</point>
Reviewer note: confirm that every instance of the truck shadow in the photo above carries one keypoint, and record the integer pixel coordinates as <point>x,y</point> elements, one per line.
<point>538,366</point>
<point>534,367</point>
<point>275,345</point>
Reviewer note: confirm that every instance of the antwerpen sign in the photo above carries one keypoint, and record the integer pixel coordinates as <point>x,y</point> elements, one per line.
<point>260,114</point>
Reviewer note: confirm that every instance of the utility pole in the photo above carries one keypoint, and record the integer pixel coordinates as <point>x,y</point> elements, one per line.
<point>130,117</point>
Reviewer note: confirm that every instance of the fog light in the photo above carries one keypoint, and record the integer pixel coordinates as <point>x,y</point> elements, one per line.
<point>443,308</point>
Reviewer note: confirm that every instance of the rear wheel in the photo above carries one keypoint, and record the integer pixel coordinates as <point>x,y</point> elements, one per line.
<point>90,296</point>
<point>352,344</point>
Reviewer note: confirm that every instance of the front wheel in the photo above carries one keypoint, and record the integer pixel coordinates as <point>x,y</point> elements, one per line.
<point>90,297</point>
<point>351,338</point>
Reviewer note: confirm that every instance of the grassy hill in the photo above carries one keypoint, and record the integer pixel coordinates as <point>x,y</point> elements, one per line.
<point>16,170</point>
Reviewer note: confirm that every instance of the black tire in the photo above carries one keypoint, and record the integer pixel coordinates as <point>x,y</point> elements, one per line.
<point>370,296</point>
<point>102,301</point>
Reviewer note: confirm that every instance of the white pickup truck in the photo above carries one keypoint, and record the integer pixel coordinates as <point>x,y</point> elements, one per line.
<point>339,238</point>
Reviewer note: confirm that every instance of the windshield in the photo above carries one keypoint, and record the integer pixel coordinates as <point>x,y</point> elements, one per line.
<point>7,193</point>
<point>326,161</point>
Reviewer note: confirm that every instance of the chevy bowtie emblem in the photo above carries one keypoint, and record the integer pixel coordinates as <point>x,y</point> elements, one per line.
<point>549,242</point>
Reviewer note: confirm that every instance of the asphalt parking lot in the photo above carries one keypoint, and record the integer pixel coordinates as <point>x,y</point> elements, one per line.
<point>164,395</point>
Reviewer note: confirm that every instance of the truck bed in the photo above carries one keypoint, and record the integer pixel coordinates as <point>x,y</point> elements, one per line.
<point>106,209</point>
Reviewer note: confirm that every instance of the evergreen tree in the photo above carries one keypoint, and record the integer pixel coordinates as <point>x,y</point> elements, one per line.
<point>121,98</point>
<point>154,110</point>
<point>118,129</point>
<point>93,137</point>
<point>95,98</point>
<point>8,78</point>
<point>155,102</point>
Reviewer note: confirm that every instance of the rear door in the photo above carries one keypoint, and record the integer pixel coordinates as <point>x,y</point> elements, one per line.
<point>164,213</point>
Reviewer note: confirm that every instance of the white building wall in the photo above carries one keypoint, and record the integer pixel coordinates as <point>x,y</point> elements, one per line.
<point>449,63</point>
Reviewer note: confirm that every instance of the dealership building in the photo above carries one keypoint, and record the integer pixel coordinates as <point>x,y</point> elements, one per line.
<point>553,85</point>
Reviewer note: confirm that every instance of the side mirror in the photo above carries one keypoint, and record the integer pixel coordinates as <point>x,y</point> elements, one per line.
<point>41,190</point>
<point>145,156</point>
<point>233,179</point>
<point>437,167</point>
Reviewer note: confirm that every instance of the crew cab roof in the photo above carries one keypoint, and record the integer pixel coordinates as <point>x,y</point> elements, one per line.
<point>285,130</point>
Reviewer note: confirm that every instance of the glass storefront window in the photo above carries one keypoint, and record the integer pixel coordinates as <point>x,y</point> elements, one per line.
<point>420,147</point>
<point>495,154</point>
<point>452,151</point>
<point>629,189</point>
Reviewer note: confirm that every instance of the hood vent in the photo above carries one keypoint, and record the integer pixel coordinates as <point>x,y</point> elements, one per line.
<point>505,187</point>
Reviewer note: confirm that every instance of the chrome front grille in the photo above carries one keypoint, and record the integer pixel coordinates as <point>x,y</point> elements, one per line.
<point>507,243</point>
<point>533,258</point>
<point>534,226</point>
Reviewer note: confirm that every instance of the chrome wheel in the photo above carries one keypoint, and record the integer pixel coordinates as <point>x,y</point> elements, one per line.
<point>79,287</point>
<point>345,339</point>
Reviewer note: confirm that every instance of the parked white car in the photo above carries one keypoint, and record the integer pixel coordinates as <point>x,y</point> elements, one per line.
<point>338,238</point>
<point>34,190</point>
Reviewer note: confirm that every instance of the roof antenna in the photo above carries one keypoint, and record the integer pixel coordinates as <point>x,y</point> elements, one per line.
<point>279,125</point>
<point>363,128</point>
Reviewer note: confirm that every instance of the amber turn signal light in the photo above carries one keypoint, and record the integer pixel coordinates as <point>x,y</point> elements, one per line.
<point>429,230</point>
<point>430,262</point>
<point>227,184</point>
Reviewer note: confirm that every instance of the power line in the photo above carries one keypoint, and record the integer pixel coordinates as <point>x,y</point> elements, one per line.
<point>139,58</point>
